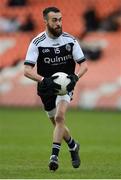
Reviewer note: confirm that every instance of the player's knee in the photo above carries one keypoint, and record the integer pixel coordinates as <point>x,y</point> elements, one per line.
<point>59,119</point>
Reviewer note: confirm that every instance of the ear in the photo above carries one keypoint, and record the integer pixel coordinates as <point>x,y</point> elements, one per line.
<point>45,21</point>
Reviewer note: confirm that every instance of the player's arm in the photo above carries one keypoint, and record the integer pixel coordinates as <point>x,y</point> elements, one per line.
<point>82,69</point>
<point>30,61</point>
<point>45,85</point>
<point>80,59</point>
<point>31,74</point>
<point>75,77</point>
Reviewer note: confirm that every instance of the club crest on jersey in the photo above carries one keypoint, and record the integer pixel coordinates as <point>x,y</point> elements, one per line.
<point>68,47</point>
<point>45,50</point>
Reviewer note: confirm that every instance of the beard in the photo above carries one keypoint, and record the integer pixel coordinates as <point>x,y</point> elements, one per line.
<point>55,32</point>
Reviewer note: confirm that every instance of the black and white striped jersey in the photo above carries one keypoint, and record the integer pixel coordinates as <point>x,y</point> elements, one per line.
<point>54,55</point>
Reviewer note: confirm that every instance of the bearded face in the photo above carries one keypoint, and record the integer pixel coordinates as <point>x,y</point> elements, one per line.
<point>57,31</point>
<point>54,24</point>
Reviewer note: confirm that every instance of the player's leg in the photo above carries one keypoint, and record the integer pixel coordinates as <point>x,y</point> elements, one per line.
<point>61,131</point>
<point>73,146</point>
<point>60,121</point>
<point>50,103</point>
<point>58,133</point>
<point>66,136</point>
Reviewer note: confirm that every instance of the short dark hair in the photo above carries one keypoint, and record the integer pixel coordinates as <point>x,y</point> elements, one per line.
<point>49,9</point>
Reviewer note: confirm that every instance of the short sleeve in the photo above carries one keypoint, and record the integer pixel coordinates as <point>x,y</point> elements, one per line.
<point>32,55</point>
<point>77,53</point>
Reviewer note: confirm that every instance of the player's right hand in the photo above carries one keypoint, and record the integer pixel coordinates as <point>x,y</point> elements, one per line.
<point>48,87</point>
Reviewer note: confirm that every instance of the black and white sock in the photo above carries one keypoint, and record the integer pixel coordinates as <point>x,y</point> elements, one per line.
<point>56,148</point>
<point>71,143</point>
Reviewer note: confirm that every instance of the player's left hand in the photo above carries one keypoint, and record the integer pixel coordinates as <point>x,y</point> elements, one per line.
<point>74,78</point>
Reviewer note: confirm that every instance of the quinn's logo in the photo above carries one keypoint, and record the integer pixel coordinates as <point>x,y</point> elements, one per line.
<point>57,59</point>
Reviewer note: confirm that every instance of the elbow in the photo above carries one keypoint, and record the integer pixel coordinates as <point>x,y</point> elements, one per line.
<point>85,67</point>
<point>26,72</point>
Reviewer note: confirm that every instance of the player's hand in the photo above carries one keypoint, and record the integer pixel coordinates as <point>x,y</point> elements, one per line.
<point>48,86</point>
<point>74,78</point>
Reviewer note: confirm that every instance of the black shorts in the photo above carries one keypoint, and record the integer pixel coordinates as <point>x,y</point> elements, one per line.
<point>49,102</point>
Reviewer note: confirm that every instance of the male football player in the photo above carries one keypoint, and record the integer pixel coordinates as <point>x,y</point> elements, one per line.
<point>56,51</point>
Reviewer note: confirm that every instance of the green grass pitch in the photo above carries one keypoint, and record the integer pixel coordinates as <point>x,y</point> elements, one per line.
<point>26,139</point>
